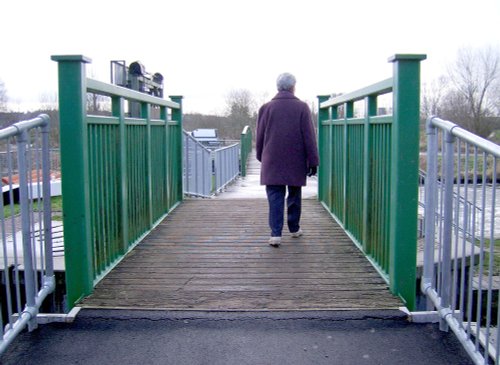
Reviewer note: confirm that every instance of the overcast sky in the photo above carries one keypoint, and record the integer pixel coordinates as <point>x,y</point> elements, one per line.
<point>206,48</point>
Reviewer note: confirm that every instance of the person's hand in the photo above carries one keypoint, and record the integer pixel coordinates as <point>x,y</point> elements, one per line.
<point>312,171</point>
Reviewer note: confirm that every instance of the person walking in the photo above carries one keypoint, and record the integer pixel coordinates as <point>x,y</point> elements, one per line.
<point>287,149</point>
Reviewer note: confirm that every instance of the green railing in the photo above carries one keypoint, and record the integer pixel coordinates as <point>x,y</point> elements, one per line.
<point>246,148</point>
<point>368,177</point>
<point>120,175</point>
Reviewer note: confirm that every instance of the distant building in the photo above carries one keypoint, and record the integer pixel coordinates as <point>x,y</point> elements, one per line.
<point>206,136</point>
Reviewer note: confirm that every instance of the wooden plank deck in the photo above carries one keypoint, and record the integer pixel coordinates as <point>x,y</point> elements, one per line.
<point>213,255</point>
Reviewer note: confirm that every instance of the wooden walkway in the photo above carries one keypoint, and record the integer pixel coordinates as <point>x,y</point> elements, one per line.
<point>213,255</point>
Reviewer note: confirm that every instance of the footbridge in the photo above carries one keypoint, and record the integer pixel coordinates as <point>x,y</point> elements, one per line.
<point>136,238</point>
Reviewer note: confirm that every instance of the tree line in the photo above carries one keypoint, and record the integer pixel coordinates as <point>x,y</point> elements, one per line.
<point>468,95</point>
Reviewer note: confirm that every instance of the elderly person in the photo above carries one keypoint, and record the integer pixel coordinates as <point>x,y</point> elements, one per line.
<point>286,147</point>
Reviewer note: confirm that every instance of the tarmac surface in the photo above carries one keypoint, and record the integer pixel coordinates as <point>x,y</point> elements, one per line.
<point>192,338</point>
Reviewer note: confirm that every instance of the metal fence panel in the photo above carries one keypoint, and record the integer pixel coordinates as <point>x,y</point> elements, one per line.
<point>368,177</point>
<point>462,236</point>
<point>122,173</point>
<point>226,165</point>
<point>197,167</point>
<point>208,171</point>
<point>26,256</point>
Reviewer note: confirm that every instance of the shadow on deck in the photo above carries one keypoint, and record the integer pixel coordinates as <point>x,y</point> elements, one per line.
<point>213,255</point>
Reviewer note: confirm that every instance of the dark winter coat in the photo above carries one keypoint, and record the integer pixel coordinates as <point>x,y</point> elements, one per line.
<point>286,142</point>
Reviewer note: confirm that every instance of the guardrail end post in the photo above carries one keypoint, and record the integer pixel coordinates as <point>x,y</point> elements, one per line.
<point>404,175</point>
<point>74,169</point>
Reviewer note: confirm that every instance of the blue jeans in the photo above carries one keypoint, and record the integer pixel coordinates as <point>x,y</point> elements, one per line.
<point>276,199</point>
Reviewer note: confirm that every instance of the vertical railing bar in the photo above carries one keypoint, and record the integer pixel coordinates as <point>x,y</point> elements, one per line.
<point>430,206</point>
<point>102,198</point>
<point>380,208</point>
<point>481,254</point>
<point>94,194</point>
<point>388,191</point>
<point>447,224</point>
<point>29,180</point>
<point>149,146</point>
<point>6,262</point>
<point>463,294</point>
<point>491,255</point>
<point>103,207</point>
<point>107,190</point>
<point>26,225</point>
<point>474,199</point>
<point>48,280</point>
<point>13,229</point>
<point>36,166</point>
<point>492,242</point>
<point>441,214</point>
<point>94,206</point>
<point>455,285</point>
<point>377,148</point>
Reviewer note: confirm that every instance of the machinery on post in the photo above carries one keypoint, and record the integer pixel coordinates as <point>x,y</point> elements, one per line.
<point>136,78</point>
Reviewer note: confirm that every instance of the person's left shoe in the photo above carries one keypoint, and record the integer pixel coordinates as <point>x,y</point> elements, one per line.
<point>297,234</point>
<point>275,241</point>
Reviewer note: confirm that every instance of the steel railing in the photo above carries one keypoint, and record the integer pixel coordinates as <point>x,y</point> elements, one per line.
<point>26,257</point>
<point>462,241</point>
<point>368,176</point>
<point>207,170</point>
<point>197,165</point>
<point>121,174</point>
<point>462,203</point>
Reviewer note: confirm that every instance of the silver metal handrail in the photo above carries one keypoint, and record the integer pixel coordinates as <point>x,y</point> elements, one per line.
<point>208,171</point>
<point>26,256</point>
<point>461,275</point>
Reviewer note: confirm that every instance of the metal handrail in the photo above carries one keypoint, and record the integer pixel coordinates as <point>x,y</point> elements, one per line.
<point>459,265</point>
<point>36,254</point>
<point>208,171</point>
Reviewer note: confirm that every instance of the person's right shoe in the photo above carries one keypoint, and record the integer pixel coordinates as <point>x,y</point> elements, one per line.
<point>297,234</point>
<point>275,241</point>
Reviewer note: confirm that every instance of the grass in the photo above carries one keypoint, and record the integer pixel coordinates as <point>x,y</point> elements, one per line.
<point>496,258</point>
<point>56,206</point>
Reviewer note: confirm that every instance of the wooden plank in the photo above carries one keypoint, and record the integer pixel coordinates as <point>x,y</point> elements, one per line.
<point>214,255</point>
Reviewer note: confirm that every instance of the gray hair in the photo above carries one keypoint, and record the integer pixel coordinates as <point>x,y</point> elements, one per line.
<point>286,82</point>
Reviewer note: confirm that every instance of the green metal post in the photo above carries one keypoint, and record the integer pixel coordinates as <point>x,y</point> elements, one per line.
<point>177,115</point>
<point>323,114</point>
<point>164,118</point>
<point>404,176</point>
<point>118,110</point>
<point>348,113</point>
<point>371,110</point>
<point>146,114</point>
<point>243,152</point>
<point>75,185</point>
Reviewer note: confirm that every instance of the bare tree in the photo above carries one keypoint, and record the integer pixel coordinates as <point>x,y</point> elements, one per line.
<point>240,110</point>
<point>475,75</point>
<point>48,101</point>
<point>432,97</point>
<point>3,96</point>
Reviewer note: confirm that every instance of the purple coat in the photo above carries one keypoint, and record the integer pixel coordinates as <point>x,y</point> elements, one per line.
<point>286,142</point>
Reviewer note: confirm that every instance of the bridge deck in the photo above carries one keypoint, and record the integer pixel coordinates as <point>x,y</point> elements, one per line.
<point>213,255</point>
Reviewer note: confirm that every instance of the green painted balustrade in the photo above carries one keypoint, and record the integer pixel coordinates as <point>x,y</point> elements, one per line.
<point>368,176</point>
<point>120,175</point>
<point>245,148</point>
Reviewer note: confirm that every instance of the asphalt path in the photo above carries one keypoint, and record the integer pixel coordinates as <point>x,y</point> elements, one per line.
<point>159,337</point>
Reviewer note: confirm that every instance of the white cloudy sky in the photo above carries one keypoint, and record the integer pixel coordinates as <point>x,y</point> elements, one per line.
<point>205,48</point>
